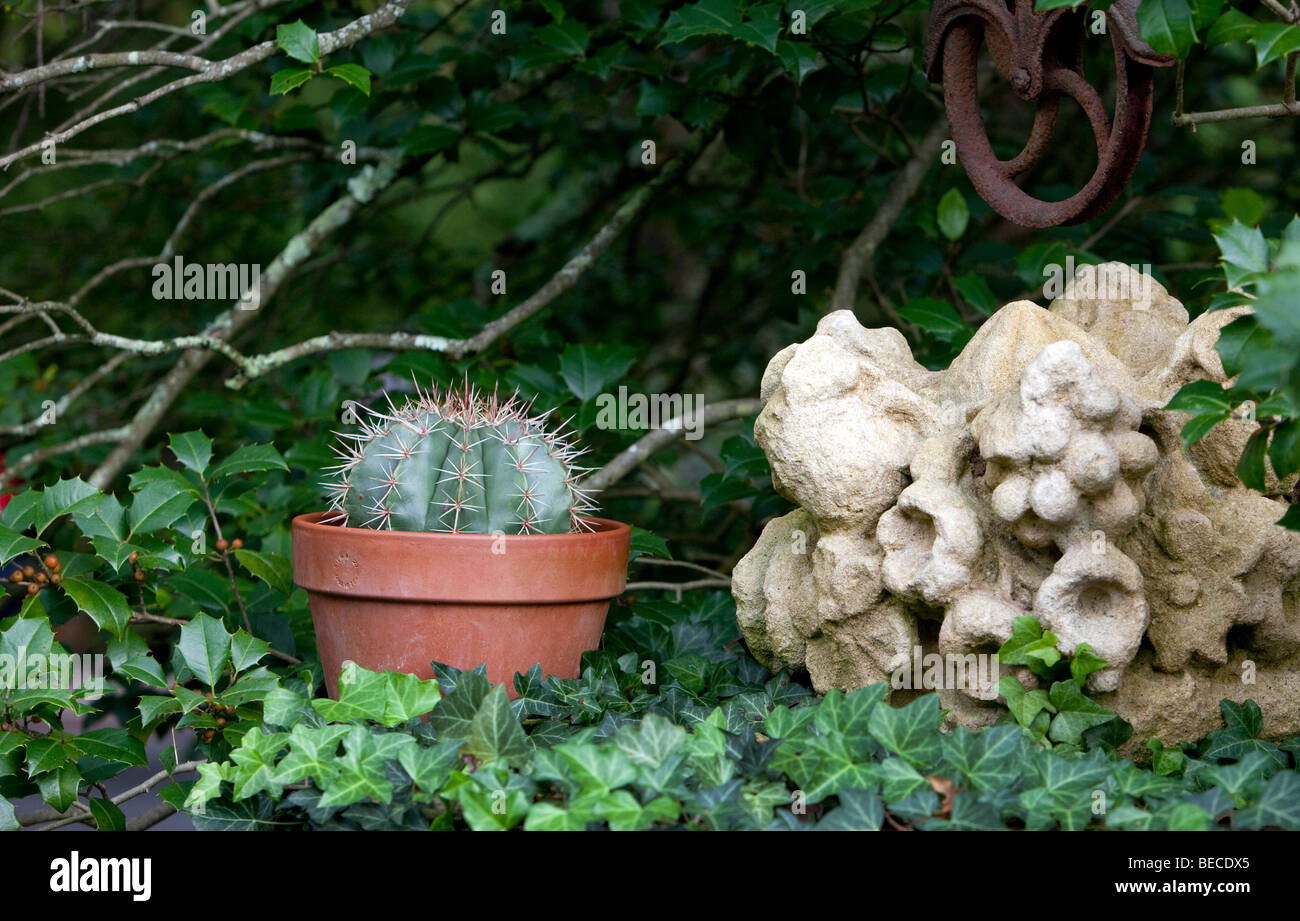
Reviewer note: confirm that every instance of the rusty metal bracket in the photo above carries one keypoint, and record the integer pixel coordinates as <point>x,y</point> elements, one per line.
<point>1041,56</point>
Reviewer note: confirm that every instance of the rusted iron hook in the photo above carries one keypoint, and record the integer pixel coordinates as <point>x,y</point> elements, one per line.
<point>1041,56</point>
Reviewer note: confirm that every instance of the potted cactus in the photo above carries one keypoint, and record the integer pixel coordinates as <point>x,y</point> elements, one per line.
<point>459,532</point>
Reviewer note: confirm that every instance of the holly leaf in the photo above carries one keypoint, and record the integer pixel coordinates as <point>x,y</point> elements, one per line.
<point>299,41</point>
<point>353,75</point>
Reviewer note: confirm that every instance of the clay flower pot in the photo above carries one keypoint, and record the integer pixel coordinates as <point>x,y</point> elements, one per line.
<point>399,599</point>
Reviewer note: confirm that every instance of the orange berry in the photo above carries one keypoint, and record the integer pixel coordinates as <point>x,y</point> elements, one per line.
<point>139,575</point>
<point>32,588</point>
<point>15,576</point>
<point>29,571</point>
<point>222,544</point>
<point>133,557</point>
<point>51,562</point>
<point>237,544</point>
<point>56,578</point>
<point>40,577</point>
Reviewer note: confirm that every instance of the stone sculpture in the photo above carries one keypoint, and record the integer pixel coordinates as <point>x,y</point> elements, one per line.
<point>1038,475</point>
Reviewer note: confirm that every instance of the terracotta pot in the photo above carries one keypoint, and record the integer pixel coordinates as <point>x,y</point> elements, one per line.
<point>399,600</point>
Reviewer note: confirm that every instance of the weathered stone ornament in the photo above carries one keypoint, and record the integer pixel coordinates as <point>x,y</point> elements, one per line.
<point>1041,56</point>
<point>1038,475</point>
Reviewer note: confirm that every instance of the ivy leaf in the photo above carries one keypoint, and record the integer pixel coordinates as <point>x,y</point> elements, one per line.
<point>313,753</point>
<point>409,697</point>
<point>859,810</point>
<point>353,75</point>
<point>193,449</point>
<point>105,604</point>
<point>989,759</point>
<point>299,41</point>
<point>290,78</point>
<point>909,731</point>
<point>255,768</point>
<point>1029,645</point>
<point>1278,805</point>
<point>1084,662</point>
<point>1247,717</point>
<point>363,695</point>
<point>953,216</point>
<point>1074,713</point>
<point>494,732</point>
<point>204,647</point>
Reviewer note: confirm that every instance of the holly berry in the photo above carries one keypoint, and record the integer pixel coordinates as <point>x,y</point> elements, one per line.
<point>134,557</point>
<point>29,571</point>
<point>40,577</point>
<point>139,575</point>
<point>51,562</point>
<point>32,588</point>
<point>221,721</point>
<point>222,544</point>
<point>237,544</point>
<point>56,578</point>
<point>15,576</point>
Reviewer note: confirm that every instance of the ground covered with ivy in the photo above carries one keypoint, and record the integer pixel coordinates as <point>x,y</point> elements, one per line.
<point>713,741</point>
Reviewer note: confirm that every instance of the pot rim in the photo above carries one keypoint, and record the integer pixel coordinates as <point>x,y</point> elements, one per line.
<point>603,528</point>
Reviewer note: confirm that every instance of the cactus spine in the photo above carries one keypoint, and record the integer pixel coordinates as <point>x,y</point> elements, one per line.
<point>461,462</point>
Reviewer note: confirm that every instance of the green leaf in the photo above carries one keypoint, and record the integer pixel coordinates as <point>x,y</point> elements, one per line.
<point>313,754</point>
<point>353,75</point>
<point>428,139</point>
<point>1245,206</point>
<point>13,544</point>
<point>250,459</point>
<point>495,733</point>
<point>271,568</point>
<point>588,369</point>
<point>1233,26</point>
<point>204,647</point>
<point>1029,645</point>
<point>299,41</point>
<point>1083,663</point>
<point>112,745</point>
<point>935,317</point>
<point>1250,468</point>
<point>409,697</point>
<point>282,81</point>
<point>1168,26</point>
<point>8,818</point>
<point>59,788</point>
<point>1244,251</point>
<point>708,17</point>
<point>1201,397</point>
<point>66,497</point>
<point>157,506</point>
<point>1074,713</point>
<point>555,8</point>
<point>1205,12</point>
<point>1247,717</point>
<point>1198,427</point>
<point>105,604</point>
<point>911,731</point>
<point>1284,449</point>
<point>953,216</point>
<point>255,770</point>
<point>1273,40</point>
<point>1278,805</point>
<point>108,817</point>
<point>977,292</point>
<point>363,695</point>
<point>989,759</point>
<point>193,449</point>
<point>569,38</point>
<point>246,650</point>
<point>799,58</point>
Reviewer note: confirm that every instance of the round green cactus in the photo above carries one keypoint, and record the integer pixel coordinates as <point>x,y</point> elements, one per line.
<point>461,462</point>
